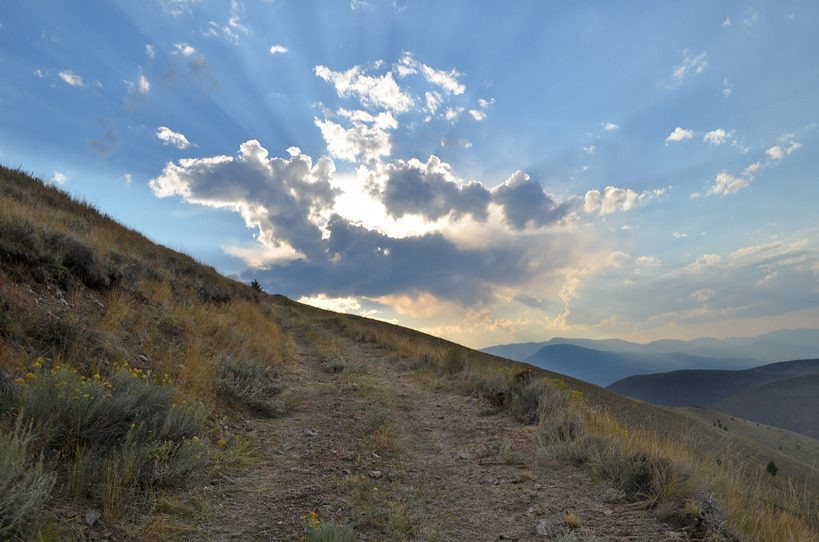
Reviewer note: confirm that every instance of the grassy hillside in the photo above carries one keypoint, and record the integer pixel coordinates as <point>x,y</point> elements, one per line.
<point>133,379</point>
<point>781,394</point>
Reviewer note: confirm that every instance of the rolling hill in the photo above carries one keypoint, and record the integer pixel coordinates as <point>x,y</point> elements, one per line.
<point>781,394</point>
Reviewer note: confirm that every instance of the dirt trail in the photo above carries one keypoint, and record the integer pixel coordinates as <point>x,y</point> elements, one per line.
<point>400,459</point>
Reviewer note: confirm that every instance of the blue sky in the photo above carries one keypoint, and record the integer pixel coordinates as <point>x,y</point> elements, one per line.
<point>486,171</point>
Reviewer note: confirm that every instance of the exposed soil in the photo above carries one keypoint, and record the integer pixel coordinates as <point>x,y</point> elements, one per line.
<point>439,468</point>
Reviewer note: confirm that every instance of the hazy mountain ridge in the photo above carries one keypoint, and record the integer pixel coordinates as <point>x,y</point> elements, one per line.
<point>768,347</point>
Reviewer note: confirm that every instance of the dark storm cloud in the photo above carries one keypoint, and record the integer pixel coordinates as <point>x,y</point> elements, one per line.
<point>525,204</point>
<point>430,190</point>
<point>363,262</point>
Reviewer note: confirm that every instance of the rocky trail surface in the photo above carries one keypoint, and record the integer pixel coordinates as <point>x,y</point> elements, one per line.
<point>372,445</point>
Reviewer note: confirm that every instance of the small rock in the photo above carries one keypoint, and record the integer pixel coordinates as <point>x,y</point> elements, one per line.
<point>607,512</point>
<point>346,472</point>
<point>461,456</point>
<point>311,433</point>
<point>375,474</point>
<point>91,517</point>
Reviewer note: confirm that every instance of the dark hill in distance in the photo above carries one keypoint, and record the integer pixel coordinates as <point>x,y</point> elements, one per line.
<point>781,394</point>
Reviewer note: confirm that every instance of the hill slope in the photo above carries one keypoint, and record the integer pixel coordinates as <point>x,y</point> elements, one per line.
<point>781,394</point>
<point>145,397</point>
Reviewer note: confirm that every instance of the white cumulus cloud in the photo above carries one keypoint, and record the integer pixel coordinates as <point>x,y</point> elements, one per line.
<point>372,90</point>
<point>614,199</point>
<point>169,137</point>
<point>679,134</point>
<point>716,137</point>
<point>72,79</point>
<point>278,49</point>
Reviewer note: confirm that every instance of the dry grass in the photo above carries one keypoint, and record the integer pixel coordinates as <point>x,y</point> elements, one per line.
<point>683,474</point>
<point>86,293</point>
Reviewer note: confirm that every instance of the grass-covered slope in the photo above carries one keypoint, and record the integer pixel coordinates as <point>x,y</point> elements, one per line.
<point>118,360</point>
<point>781,394</point>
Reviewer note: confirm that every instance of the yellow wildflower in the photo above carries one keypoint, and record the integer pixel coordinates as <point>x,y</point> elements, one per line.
<point>38,363</point>
<point>31,376</point>
<point>221,443</point>
<point>19,380</point>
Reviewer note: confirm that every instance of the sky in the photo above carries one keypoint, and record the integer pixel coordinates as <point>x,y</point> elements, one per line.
<point>489,172</point>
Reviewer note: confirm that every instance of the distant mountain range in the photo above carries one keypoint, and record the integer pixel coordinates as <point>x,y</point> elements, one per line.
<point>603,362</point>
<point>784,394</point>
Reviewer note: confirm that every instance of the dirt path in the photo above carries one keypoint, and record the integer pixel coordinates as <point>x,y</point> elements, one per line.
<point>374,447</point>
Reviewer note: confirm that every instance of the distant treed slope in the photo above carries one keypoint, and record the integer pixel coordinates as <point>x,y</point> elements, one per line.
<point>781,394</point>
<point>602,368</point>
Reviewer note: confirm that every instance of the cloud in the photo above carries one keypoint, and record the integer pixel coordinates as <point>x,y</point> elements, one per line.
<point>262,256</point>
<point>680,235</point>
<point>371,142</point>
<point>717,137</point>
<point>727,88</point>
<point>445,80</point>
<point>725,183</point>
<point>178,7</point>
<point>140,85</point>
<point>525,204</point>
<point>726,22</point>
<point>58,178</point>
<point>233,29</point>
<point>702,295</point>
<point>284,199</point>
<point>335,304</point>
<point>778,152</point>
<point>477,114</point>
<point>128,178</point>
<point>70,78</point>
<point>704,263</point>
<point>431,190</point>
<point>679,134</point>
<point>589,149</point>
<point>184,49</point>
<point>614,199</point>
<point>169,137</point>
<point>372,91</point>
<point>610,126</point>
<point>150,51</point>
<point>691,65</point>
<point>647,261</point>
<point>278,49</point>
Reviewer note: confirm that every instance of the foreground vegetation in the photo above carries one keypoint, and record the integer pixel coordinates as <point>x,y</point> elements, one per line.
<point>110,346</point>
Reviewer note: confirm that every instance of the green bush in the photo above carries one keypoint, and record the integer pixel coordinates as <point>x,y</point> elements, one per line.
<point>115,440</point>
<point>251,384</point>
<point>330,532</point>
<point>532,399</point>
<point>453,362</point>
<point>25,486</point>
